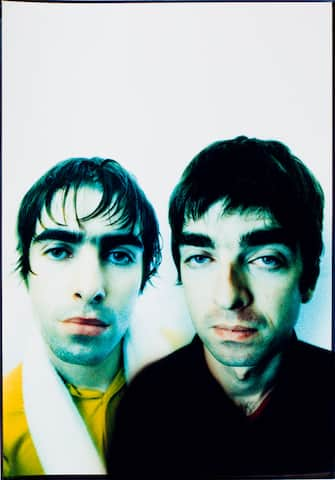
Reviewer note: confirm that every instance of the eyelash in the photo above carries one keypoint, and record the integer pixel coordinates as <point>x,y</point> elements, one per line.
<point>275,261</point>
<point>126,258</point>
<point>193,259</point>
<point>52,253</point>
<point>61,253</point>
<point>262,262</point>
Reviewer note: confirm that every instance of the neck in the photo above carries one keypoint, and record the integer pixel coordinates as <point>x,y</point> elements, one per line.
<point>96,377</point>
<point>247,386</point>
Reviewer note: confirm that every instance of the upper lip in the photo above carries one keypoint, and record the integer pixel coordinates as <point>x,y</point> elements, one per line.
<point>235,328</point>
<point>86,321</point>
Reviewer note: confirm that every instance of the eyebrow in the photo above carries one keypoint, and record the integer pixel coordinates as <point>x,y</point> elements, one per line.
<point>76,238</point>
<point>196,240</point>
<point>255,238</point>
<point>266,236</point>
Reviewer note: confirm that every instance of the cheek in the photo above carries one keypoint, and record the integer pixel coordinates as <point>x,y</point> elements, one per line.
<point>47,278</point>
<point>37,288</point>
<point>197,295</point>
<point>42,300</point>
<point>125,288</point>
<point>48,288</point>
<point>282,304</point>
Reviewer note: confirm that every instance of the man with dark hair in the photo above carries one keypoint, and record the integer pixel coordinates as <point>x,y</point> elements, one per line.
<point>88,242</point>
<point>245,397</point>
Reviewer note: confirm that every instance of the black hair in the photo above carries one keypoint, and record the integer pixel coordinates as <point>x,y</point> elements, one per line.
<point>122,199</point>
<point>251,173</point>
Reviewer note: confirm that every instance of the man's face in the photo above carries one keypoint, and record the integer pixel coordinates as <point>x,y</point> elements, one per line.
<point>240,274</point>
<point>86,279</point>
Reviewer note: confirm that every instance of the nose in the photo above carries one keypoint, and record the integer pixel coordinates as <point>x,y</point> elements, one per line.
<point>89,279</point>
<point>231,288</point>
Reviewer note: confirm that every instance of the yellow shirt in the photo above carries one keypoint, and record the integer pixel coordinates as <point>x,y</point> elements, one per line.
<point>97,409</point>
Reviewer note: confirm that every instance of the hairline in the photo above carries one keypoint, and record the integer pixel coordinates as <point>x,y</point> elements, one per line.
<point>65,191</point>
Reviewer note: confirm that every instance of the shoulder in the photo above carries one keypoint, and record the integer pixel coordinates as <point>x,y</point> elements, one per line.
<point>19,454</point>
<point>158,382</point>
<point>151,413</point>
<point>172,367</point>
<point>12,392</point>
<point>311,369</point>
<point>306,353</point>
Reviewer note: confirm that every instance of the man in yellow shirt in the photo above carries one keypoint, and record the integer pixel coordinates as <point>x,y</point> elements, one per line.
<point>87,243</point>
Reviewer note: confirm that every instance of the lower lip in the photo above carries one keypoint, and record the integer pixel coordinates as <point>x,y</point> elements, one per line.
<point>86,329</point>
<point>235,335</point>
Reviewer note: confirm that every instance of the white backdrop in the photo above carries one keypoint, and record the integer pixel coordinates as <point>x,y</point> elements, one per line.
<point>150,85</point>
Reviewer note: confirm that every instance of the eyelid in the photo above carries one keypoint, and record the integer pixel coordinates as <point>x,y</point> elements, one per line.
<point>124,247</point>
<point>269,263</point>
<point>187,257</point>
<point>130,253</point>
<point>129,249</point>
<point>187,250</point>
<point>279,257</point>
<point>270,250</point>
<point>52,244</point>
<point>64,252</point>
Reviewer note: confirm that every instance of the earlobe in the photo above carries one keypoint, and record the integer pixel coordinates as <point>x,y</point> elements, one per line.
<point>307,295</point>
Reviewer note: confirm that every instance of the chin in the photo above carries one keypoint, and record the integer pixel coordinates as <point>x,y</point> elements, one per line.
<point>80,358</point>
<point>240,358</point>
<point>239,362</point>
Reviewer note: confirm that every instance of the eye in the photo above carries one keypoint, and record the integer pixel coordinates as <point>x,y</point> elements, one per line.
<point>268,262</point>
<point>118,257</point>
<point>59,253</point>
<point>197,260</point>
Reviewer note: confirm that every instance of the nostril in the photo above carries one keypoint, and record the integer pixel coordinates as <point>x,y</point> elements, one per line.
<point>238,304</point>
<point>98,297</point>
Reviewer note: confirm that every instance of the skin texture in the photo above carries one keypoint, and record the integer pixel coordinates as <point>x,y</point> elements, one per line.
<point>83,290</point>
<point>242,291</point>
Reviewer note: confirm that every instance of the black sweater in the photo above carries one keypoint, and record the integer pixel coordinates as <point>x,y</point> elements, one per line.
<point>176,421</point>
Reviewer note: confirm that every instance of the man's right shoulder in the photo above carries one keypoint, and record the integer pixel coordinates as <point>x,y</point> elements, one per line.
<point>19,454</point>
<point>12,392</point>
<point>170,372</point>
<point>13,417</point>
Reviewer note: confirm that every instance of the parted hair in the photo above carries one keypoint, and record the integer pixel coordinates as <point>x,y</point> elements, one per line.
<point>248,173</point>
<point>121,196</point>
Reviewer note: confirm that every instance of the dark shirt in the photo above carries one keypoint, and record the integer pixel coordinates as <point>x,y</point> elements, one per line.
<point>175,421</point>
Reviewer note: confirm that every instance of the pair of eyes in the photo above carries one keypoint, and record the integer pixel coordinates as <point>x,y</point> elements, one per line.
<point>268,262</point>
<point>115,256</point>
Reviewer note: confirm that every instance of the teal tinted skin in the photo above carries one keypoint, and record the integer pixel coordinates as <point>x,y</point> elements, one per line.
<point>240,273</point>
<point>85,281</point>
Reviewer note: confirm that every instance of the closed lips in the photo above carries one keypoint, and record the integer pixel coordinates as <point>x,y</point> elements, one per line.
<point>86,321</point>
<point>237,328</point>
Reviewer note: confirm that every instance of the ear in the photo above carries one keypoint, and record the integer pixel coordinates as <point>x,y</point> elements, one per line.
<point>307,295</point>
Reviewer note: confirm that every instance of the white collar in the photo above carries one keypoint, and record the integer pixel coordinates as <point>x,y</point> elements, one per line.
<point>62,441</point>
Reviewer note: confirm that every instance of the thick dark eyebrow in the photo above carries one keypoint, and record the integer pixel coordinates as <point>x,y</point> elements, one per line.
<point>107,240</point>
<point>196,240</point>
<point>268,236</point>
<point>254,238</point>
<point>67,236</point>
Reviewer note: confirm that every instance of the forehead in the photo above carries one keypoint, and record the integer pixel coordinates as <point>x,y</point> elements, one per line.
<point>71,212</point>
<point>217,221</point>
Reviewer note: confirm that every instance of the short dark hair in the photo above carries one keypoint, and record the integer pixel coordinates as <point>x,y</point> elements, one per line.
<point>251,173</point>
<point>121,196</point>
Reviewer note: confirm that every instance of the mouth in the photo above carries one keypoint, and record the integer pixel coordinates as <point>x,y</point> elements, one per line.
<point>235,333</point>
<point>90,327</point>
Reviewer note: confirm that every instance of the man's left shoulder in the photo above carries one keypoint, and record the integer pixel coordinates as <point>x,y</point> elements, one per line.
<point>306,352</point>
<point>172,368</point>
<point>313,367</point>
